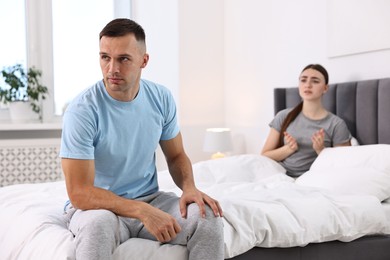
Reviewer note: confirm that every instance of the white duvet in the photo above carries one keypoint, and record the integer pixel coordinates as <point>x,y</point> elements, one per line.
<point>262,207</point>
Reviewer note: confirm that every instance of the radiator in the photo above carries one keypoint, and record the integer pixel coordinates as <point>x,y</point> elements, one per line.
<point>29,161</point>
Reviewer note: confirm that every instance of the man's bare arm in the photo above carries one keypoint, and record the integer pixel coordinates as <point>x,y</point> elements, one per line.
<point>79,178</point>
<point>180,169</point>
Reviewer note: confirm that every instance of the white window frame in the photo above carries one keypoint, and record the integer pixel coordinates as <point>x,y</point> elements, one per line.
<point>40,49</point>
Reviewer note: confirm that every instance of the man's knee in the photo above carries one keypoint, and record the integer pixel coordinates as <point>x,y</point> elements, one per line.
<point>95,221</point>
<point>207,240</point>
<point>211,224</point>
<point>96,233</point>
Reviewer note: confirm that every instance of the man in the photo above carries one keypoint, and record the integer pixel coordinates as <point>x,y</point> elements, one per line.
<point>110,134</point>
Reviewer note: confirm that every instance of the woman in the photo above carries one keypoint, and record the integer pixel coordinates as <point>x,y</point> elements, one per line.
<point>299,134</point>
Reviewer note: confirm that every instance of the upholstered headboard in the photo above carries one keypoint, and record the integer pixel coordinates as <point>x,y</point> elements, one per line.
<point>364,105</point>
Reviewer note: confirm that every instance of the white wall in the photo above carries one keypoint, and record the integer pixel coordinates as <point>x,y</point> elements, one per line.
<point>160,22</point>
<point>186,46</point>
<point>201,48</point>
<point>267,43</point>
<point>230,54</point>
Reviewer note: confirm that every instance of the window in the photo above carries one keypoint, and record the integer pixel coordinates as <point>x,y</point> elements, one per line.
<point>13,31</point>
<point>76,27</point>
<point>60,38</point>
<point>13,40</point>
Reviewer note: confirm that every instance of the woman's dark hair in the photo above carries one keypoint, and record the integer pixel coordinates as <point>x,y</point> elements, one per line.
<point>121,27</point>
<point>320,69</point>
<point>296,110</point>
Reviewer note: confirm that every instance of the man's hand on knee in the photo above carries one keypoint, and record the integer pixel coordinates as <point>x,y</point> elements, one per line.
<point>161,225</point>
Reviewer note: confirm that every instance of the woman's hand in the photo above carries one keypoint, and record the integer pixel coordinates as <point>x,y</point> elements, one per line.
<point>318,140</point>
<point>290,142</point>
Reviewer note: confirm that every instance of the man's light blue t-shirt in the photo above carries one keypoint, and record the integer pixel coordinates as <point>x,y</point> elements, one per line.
<point>121,137</point>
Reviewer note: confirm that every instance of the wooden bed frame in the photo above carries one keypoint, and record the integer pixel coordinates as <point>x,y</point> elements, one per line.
<point>365,107</point>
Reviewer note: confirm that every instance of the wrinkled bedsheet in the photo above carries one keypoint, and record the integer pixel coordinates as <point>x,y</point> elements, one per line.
<point>266,211</point>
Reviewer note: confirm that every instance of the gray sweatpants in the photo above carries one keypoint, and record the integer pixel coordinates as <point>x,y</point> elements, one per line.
<point>98,232</point>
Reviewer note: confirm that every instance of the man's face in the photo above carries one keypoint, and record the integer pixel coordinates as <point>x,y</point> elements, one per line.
<point>121,61</point>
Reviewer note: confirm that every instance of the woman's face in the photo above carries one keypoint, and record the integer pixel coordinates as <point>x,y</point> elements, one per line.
<point>312,85</point>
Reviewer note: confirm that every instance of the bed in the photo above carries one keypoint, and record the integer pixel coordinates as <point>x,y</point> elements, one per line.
<point>365,107</point>
<point>339,209</point>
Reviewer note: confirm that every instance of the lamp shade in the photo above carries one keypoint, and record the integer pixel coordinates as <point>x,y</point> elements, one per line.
<point>217,140</point>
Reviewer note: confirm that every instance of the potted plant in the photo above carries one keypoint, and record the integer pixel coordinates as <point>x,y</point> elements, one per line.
<point>23,87</point>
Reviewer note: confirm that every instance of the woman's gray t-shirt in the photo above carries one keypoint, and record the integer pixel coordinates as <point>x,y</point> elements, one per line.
<point>302,129</point>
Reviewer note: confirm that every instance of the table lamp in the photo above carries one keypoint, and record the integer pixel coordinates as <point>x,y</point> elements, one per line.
<point>217,141</point>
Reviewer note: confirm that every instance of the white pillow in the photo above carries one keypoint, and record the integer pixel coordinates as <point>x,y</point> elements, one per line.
<point>361,169</point>
<point>238,168</point>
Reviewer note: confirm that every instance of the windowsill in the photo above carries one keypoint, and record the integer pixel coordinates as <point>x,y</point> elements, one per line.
<point>9,126</point>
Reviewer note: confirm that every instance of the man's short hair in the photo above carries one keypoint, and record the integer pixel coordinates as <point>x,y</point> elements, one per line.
<point>121,27</point>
